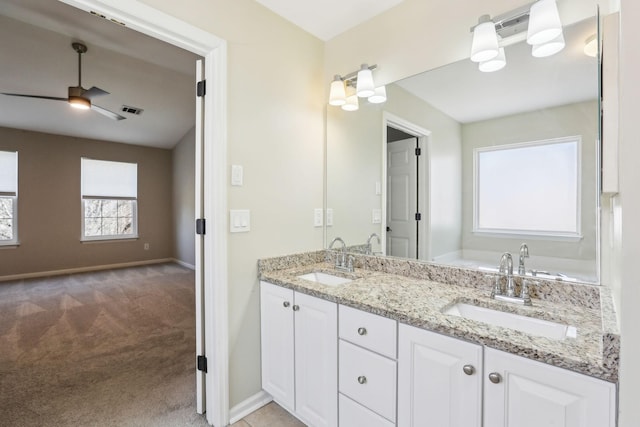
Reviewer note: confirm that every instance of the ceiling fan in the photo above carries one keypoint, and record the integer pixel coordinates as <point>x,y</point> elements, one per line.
<point>79,97</point>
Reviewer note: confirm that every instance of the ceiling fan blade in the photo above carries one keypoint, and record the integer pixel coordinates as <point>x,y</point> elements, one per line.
<point>104,111</point>
<point>93,92</point>
<point>53,98</point>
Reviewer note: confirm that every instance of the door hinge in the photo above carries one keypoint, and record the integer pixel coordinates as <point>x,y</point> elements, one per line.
<point>200,226</point>
<point>202,364</point>
<point>418,216</point>
<point>201,88</point>
<point>418,151</point>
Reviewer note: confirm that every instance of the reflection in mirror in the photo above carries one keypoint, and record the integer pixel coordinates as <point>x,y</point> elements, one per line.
<point>435,206</point>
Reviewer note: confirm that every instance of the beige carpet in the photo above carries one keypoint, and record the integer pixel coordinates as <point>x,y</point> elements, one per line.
<point>112,348</point>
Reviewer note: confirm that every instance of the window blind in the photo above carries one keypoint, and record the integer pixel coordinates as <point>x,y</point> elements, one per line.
<point>102,178</point>
<point>8,173</point>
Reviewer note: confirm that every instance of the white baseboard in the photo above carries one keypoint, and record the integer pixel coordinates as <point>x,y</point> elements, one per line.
<point>184,264</point>
<point>248,406</point>
<point>83,269</point>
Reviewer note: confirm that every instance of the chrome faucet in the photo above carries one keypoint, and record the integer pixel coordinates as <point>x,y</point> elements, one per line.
<point>341,260</point>
<point>508,293</point>
<point>369,251</point>
<point>506,267</point>
<point>524,253</point>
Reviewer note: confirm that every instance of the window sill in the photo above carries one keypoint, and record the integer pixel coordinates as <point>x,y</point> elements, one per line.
<point>108,239</point>
<point>9,245</point>
<point>560,237</point>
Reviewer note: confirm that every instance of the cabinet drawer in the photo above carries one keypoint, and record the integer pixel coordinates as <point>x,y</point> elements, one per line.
<point>368,378</point>
<point>368,330</point>
<point>353,414</point>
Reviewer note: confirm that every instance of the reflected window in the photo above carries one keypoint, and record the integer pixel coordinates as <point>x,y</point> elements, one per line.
<point>109,200</point>
<point>530,188</point>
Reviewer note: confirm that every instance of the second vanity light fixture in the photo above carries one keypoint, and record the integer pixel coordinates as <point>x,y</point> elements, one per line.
<point>543,32</point>
<point>345,90</point>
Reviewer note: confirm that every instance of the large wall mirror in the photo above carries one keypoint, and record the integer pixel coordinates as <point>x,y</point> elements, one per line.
<point>506,158</point>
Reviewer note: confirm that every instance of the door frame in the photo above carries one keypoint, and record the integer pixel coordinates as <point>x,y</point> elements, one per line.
<point>424,178</point>
<point>157,24</point>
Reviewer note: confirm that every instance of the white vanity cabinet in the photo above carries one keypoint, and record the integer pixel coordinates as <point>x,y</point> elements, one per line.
<point>439,380</point>
<point>519,392</point>
<point>367,369</point>
<point>300,353</point>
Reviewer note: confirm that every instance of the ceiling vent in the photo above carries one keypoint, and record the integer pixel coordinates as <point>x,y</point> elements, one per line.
<point>131,110</point>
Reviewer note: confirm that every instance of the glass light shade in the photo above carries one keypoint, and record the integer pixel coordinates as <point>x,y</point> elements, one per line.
<point>365,87</point>
<point>337,95</point>
<point>549,48</point>
<point>494,64</point>
<point>485,41</point>
<point>379,96</point>
<point>591,46</point>
<point>352,103</point>
<point>79,102</point>
<point>544,22</point>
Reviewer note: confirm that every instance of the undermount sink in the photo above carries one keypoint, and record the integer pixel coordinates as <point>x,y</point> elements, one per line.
<point>528,325</point>
<point>324,278</point>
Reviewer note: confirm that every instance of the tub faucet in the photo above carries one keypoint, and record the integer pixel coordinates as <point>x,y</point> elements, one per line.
<point>369,251</point>
<point>524,253</point>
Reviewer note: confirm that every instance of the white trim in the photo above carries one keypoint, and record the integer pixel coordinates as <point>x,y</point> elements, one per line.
<point>424,176</point>
<point>150,21</point>
<point>249,405</point>
<point>83,269</point>
<point>184,264</point>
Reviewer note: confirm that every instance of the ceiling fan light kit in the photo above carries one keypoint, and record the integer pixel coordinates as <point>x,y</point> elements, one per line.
<point>79,97</point>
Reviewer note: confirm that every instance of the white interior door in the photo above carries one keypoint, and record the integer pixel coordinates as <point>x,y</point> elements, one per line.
<point>200,288</point>
<point>402,203</point>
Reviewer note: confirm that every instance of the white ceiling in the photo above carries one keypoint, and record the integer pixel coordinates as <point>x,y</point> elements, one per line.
<point>465,94</point>
<point>137,70</point>
<point>328,18</point>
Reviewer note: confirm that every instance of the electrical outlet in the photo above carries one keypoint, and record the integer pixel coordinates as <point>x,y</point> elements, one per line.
<point>317,217</point>
<point>329,217</point>
<point>146,246</point>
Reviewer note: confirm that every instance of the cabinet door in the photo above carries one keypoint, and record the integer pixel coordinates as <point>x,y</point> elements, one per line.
<point>533,394</point>
<point>433,387</point>
<point>276,315</point>
<point>316,361</point>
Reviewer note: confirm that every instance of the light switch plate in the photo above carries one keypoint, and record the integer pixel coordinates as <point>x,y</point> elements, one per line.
<point>239,220</point>
<point>329,219</point>
<point>317,217</point>
<point>378,188</point>
<point>376,216</point>
<point>237,173</point>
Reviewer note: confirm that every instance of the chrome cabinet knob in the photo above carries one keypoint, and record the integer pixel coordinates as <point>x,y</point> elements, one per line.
<point>286,304</point>
<point>495,377</point>
<point>362,331</point>
<point>296,307</point>
<point>469,369</point>
<point>362,379</point>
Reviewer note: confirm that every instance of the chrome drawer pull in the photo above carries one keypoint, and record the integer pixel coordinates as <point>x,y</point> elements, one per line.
<point>362,379</point>
<point>296,307</point>
<point>469,369</point>
<point>286,304</point>
<point>495,377</point>
<point>362,331</point>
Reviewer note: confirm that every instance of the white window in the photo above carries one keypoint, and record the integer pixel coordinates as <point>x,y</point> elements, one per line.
<point>8,197</point>
<point>528,189</point>
<point>109,200</point>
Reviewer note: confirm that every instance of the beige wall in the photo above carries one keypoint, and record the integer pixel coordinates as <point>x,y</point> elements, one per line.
<point>49,207</point>
<point>354,165</point>
<point>569,120</point>
<point>184,213</point>
<point>276,132</point>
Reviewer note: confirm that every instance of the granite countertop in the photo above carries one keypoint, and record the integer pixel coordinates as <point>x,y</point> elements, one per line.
<point>420,302</point>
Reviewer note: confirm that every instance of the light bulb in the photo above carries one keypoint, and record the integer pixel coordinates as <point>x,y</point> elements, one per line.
<point>365,87</point>
<point>549,48</point>
<point>494,64</point>
<point>544,22</point>
<point>337,94</point>
<point>485,40</point>
<point>352,103</point>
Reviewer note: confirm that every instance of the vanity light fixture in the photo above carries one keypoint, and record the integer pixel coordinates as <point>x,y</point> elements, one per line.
<point>538,22</point>
<point>345,90</point>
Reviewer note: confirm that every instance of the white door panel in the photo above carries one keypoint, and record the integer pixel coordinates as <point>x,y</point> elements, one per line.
<point>402,203</point>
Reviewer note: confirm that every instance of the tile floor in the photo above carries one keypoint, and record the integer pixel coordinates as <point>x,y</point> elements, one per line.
<point>271,415</point>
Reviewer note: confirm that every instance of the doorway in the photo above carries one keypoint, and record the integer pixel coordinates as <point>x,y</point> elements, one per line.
<point>406,188</point>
